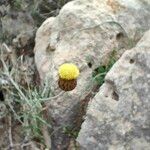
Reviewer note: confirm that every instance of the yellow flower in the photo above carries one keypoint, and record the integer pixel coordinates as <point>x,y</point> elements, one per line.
<point>68,71</point>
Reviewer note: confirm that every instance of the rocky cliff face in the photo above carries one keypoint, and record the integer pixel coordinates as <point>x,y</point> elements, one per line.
<point>119,117</point>
<point>86,33</point>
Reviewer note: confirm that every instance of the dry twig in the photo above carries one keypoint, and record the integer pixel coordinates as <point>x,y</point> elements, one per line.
<point>11,53</point>
<point>10,133</point>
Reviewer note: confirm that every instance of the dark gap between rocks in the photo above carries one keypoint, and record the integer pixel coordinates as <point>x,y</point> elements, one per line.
<point>71,133</point>
<point>83,106</point>
<point>1,96</point>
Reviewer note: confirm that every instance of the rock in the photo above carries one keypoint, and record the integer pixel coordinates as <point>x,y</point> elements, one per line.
<point>85,33</point>
<point>19,20</point>
<point>24,39</point>
<point>16,23</point>
<point>3,2</point>
<point>118,118</point>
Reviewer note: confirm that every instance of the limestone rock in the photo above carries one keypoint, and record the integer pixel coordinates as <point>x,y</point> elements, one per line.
<point>118,118</point>
<point>85,33</point>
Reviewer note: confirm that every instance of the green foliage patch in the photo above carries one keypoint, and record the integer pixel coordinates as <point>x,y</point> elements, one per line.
<point>100,72</point>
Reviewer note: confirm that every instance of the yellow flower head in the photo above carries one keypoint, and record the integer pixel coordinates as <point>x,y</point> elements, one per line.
<point>68,71</point>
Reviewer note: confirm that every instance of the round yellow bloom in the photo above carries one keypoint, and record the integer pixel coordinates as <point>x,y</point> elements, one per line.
<point>68,71</point>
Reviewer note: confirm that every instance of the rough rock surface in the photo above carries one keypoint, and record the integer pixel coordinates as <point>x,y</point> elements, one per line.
<point>85,32</point>
<point>118,118</point>
<point>14,22</point>
<point>20,19</point>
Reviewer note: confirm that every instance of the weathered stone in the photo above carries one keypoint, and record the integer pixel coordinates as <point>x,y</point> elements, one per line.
<point>17,22</point>
<point>85,33</point>
<point>118,118</point>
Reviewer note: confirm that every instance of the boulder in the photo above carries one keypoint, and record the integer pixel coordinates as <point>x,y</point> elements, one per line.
<point>85,33</point>
<point>118,117</point>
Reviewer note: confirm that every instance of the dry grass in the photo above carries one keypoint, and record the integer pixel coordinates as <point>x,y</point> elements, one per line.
<point>25,103</point>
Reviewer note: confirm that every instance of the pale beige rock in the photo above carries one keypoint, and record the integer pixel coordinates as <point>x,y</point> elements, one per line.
<point>118,118</point>
<point>85,32</point>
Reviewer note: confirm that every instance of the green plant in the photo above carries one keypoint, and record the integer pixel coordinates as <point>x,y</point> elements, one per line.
<point>31,103</point>
<point>5,37</point>
<point>100,72</point>
<point>17,4</point>
<point>71,132</point>
<point>27,104</point>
